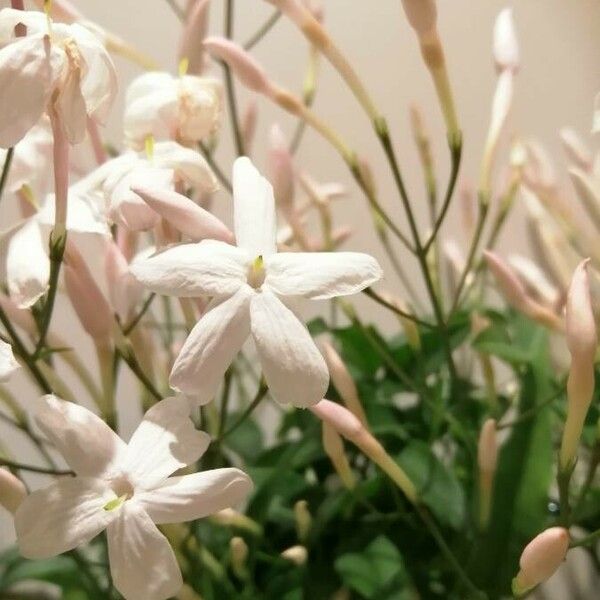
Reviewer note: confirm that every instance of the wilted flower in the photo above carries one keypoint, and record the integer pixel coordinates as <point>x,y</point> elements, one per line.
<point>64,67</point>
<point>125,489</point>
<point>247,282</point>
<point>185,109</point>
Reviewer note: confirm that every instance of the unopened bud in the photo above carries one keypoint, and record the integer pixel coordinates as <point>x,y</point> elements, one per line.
<point>281,170</point>
<point>421,14</point>
<point>506,46</point>
<point>541,559</point>
<point>12,491</point>
<point>343,382</point>
<point>245,68</point>
<point>334,448</point>
<point>232,518</point>
<point>588,192</point>
<point>576,149</point>
<point>487,459</point>
<point>296,554</point>
<point>303,519</point>
<point>124,290</point>
<point>191,47</point>
<point>248,125</point>
<point>238,550</point>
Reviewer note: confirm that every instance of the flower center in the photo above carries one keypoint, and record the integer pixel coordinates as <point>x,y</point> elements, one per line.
<point>256,273</point>
<point>123,490</point>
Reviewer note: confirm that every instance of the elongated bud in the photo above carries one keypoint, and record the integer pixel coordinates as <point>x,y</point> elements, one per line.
<point>535,279</point>
<point>303,519</point>
<point>191,47</point>
<point>334,448</point>
<point>516,295</point>
<point>238,550</point>
<point>124,290</point>
<point>349,426</point>
<point>506,45</point>
<point>582,341</point>
<point>541,559</point>
<point>487,459</point>
<point>245,68</point>
<point>12,491</point>
<point>576,149</point>
<point>343,382</point>
<point>248,125</point>
<point>88,301</point>
<point>588,192</point>
<point>184,214</point>
<point>423,143</point>
<point>232,518</point>
<point>296,554</point>
<point>421,14</point>
<point>281,170</point>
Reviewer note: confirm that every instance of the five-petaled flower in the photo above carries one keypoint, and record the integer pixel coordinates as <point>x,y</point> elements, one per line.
<point>125,489</point>
<point>251,286</point>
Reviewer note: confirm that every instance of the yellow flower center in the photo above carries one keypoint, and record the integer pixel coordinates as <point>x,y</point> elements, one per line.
<point>256,272</point>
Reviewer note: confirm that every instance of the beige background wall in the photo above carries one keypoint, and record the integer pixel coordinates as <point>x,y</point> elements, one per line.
<point>560,42</point>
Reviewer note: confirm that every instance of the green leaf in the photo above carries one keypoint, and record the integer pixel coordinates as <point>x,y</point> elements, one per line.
<point>437,485</point>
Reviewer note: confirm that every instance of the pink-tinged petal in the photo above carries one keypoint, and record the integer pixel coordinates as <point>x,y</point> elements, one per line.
<point>68,513</point>
<point>295,370</point>
<point>208,268</point>
<point>211,346</point>
<point>191,497</point>
<point>28,72</point>
<point>255,221</point>
<point>70,106</point>
<point>36,22</point>
<point>142,563</point>
<point>165,441</point>
<point>88,445</point>
<point>184,214</point>
<point>8,363</point>
<point>192,39</point>
<point>27,265</point>
<point>321,275</point>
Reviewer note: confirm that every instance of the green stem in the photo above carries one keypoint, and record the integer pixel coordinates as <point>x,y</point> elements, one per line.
<point>133,323</point>
<point>127,354</point>
<point>587,540</point>
<point>377,298</point>
<point>6,170</point>
<point>31,468</point>
<point>262,31</point>
<point>260,394</point>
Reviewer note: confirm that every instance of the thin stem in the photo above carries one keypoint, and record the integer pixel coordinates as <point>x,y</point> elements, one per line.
<point>6,170</point>
<point>133,323</point>
<point>126,353</point>
<point>563,479</point>
<point>225,401</point>
<point>179,13</point>
<point>530,413</point>
<point>589,478</point>
<point>208,155</point>
<point>262,31</point>
<point>377,298</point>
<point>229,85</point>
<point>587,540</point>
<point>260,394</point>
<point>33,469</point>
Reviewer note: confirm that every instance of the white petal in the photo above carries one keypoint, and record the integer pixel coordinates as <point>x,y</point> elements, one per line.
<point>70,106</point>
<point>154,114</point>
<point>210,268</point>
<point>61,517</point>
<point>254,210</point>
<point>211,346</point>
<point>294,368</point>
<point>188,164</point>
<point>147,83</point>
<point>164,442</point>
<point>35,22</point>
<point>142,563</point>
<point>27,265</point>
<point>28,71</point>
<point>320,275</point>
<point>190,497</point>
<point>8,363</point>
<point>89,446</point>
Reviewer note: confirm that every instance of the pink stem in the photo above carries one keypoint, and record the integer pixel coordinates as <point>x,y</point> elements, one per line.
<point>61,174</point>
<point>96,140</point>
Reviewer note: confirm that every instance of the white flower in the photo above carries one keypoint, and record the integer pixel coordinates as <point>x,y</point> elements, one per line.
<point>125,489</point>
<point>168,164</point>
<point>65,65</point>
<point>186,108</point>
<point>27,261</point>
<point>8,363</point>
<point>246,283</point>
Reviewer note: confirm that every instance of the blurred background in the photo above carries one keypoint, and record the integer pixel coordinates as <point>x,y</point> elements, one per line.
<point>560,75</point>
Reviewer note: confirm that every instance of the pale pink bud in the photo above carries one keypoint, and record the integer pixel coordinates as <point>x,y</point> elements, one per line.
<point>588,192</point>
<point>281,170</point>
<point>62,10</point>
<point>296,554</point>
<point>342,381</point>
<point>541,559</point>
<point>316,9</point>
<point>506,46</point>
<point>539,171</point>
<point>581,325</point>
<point>421,14</point>
<point>248,125</point>
<point>88,301</point>
<point>576,149</point>
<point>340,418</point>
<point>124,290</point>
<point>12,491</point>
<point>487,449</point>
<point>294,10</point>
<point>245,68</point>
<point>191,47</point>
<point>535,279</point>
<point>186,216</point>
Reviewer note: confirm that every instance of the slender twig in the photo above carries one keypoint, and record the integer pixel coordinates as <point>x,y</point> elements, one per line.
<point>33,469</point>
<point>129,357</point>
<point>6,170</point>
<point>532,412</point>
<point>587,540</point>
<point>594,462</point>
<point>262,31</point>
<point>208,155</point>
<point>260,394</point>
<point>405,315</point>
<point>135,320</point>
<point>179,12</point>
<point>225,400</point>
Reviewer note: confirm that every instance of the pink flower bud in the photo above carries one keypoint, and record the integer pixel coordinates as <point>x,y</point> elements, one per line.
<point>588,192</point>
<point>245,68</point>
<point>506,46</point>
<point>421,14</point>
<point>248,125</point>
<point>576,149</point>
<point>62,10</point>
<point>124,290</point>
<point>487,449</point>
<point>12,491</point>
<point>340,418</point>
<point>88,301</point>
<point>281,170</point>
<point>541,559</point>
<point>186,216</point>
<point>582,338</point>
<point>191,47</point>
